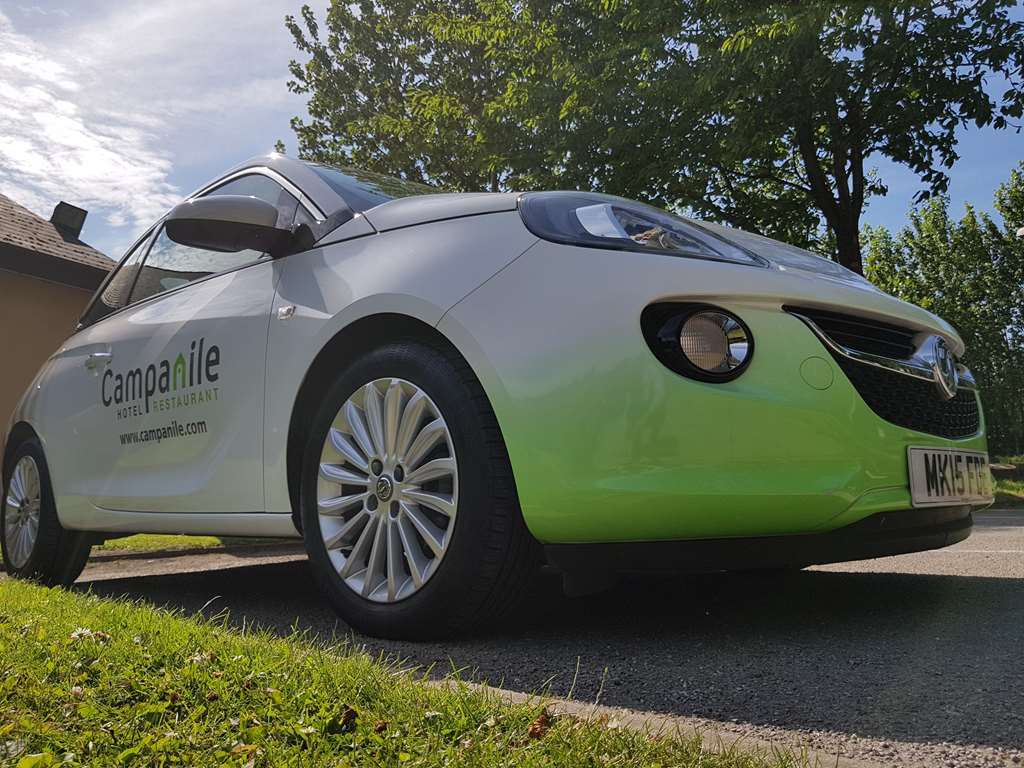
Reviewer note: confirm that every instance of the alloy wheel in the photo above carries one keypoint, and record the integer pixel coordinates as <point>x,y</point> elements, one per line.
<point>21,511</point>
<point>387,490</point>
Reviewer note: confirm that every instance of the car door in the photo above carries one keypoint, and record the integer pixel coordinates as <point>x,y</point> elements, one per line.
<point>68,398</point>
<point>179,373</point>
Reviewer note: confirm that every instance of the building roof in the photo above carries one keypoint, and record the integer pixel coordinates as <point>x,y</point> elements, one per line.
<point>31,245</point>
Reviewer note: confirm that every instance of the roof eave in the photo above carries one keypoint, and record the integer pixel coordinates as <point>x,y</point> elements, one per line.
<point>24,261</point>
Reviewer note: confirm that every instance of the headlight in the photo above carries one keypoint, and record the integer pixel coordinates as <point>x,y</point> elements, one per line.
<point>603,221</point>
<point>698,341</point>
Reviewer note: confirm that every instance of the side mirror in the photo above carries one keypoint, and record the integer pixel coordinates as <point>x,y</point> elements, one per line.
<point>227,223</point>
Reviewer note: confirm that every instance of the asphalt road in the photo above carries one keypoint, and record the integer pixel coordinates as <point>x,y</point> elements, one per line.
<point>911,660</point>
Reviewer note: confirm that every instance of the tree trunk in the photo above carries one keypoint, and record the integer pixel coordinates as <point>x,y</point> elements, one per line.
<point>843,214</point>
<point>848,245</point>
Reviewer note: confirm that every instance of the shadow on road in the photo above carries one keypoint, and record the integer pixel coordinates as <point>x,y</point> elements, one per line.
<point>890,656</point>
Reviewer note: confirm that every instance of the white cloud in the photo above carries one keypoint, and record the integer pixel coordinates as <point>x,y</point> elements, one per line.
<point>35,9</point>
<point>52,148</point>
<point>124,107</point>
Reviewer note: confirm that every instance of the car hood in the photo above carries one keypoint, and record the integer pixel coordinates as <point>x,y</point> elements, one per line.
<point>421,209</point>
<point>785,257</point>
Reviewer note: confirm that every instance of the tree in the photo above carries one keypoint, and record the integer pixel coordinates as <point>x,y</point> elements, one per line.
<point>761,115</point>
<point>839,83</point>
<point>388,94</point>
<point>971,272</point>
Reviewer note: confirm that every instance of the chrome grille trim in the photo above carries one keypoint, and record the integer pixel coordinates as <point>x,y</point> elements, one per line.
<point>919,366</point>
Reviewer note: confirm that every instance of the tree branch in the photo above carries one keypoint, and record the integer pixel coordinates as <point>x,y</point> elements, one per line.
<point>761,176</point>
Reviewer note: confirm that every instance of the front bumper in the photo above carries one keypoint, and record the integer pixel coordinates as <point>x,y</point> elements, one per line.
<point>790,447</point>
<point>879,535</point>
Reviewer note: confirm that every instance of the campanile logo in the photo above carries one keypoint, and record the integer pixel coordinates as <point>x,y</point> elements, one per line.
<point>164,385</point>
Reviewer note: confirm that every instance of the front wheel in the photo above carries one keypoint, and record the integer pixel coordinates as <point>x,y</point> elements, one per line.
<point>409,507</point>
<point>35,545</point>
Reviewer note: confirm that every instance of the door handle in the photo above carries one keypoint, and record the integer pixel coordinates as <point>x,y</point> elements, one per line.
<point>98,360</point>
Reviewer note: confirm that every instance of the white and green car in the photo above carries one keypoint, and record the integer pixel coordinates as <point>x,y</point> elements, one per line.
<point>439,391</point>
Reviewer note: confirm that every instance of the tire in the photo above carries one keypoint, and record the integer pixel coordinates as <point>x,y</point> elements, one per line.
<point>773,572</point>
<point>490,557</point>
<point>55,556</point>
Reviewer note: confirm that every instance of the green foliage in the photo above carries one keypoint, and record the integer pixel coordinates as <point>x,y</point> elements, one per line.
<point>836,83</point>
<point>760,115</point>
<point>90,682</point>
<point>391,91</point>
<point>971,273</point>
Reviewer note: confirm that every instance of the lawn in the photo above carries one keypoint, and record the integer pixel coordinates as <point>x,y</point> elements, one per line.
<point>1009,493</point>
<point>85,681</point>
<point>153,541</point>
<point>1009,485</point>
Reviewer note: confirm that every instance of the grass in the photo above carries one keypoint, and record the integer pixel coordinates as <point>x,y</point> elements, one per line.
<point>1009,492</point>
<point>1009,486</point>
<point>85,681</point>
<point>1018,460</point>
<point>154,541</point>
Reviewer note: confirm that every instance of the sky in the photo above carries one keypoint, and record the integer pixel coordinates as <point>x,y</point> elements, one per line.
<point>986,158</point>
<point>123,107</point>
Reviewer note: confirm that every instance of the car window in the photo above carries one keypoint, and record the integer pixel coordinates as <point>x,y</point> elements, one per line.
<point>363,190</point>
<point>170,265</point>
<point>114,293</point>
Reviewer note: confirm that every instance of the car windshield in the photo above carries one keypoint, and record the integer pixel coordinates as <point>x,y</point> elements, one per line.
<point>363,190</point>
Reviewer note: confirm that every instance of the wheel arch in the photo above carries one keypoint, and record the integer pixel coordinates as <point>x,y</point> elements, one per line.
<point>357,337</point>
<point>20,432</point>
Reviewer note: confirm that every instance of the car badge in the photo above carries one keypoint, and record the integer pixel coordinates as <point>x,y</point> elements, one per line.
<point>384,488</point>
<point>944,371</point>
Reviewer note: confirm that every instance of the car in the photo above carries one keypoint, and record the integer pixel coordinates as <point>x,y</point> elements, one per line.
<point>442,393</point>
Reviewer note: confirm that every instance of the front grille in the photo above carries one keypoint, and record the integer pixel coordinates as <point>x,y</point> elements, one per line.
<point>913,403</point>
<point>862,335</point>
<point>900,399</point>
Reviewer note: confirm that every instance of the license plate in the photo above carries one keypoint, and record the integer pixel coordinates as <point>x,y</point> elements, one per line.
<point>943,476</point>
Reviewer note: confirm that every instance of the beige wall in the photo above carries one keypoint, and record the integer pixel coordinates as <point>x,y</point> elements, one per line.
<point>35,317</point>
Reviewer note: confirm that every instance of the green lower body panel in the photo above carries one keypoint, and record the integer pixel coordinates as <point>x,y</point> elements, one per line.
<point>616,448</point>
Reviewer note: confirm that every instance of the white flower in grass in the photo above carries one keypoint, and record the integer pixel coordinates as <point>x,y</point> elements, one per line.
<point>83,633</point>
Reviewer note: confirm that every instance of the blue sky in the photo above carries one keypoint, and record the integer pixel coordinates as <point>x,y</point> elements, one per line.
<point>986,158</point>
<point>125,107</point>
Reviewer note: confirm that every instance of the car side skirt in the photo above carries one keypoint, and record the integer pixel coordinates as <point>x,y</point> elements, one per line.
<point>879,535</point>
<point>260,525</point>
